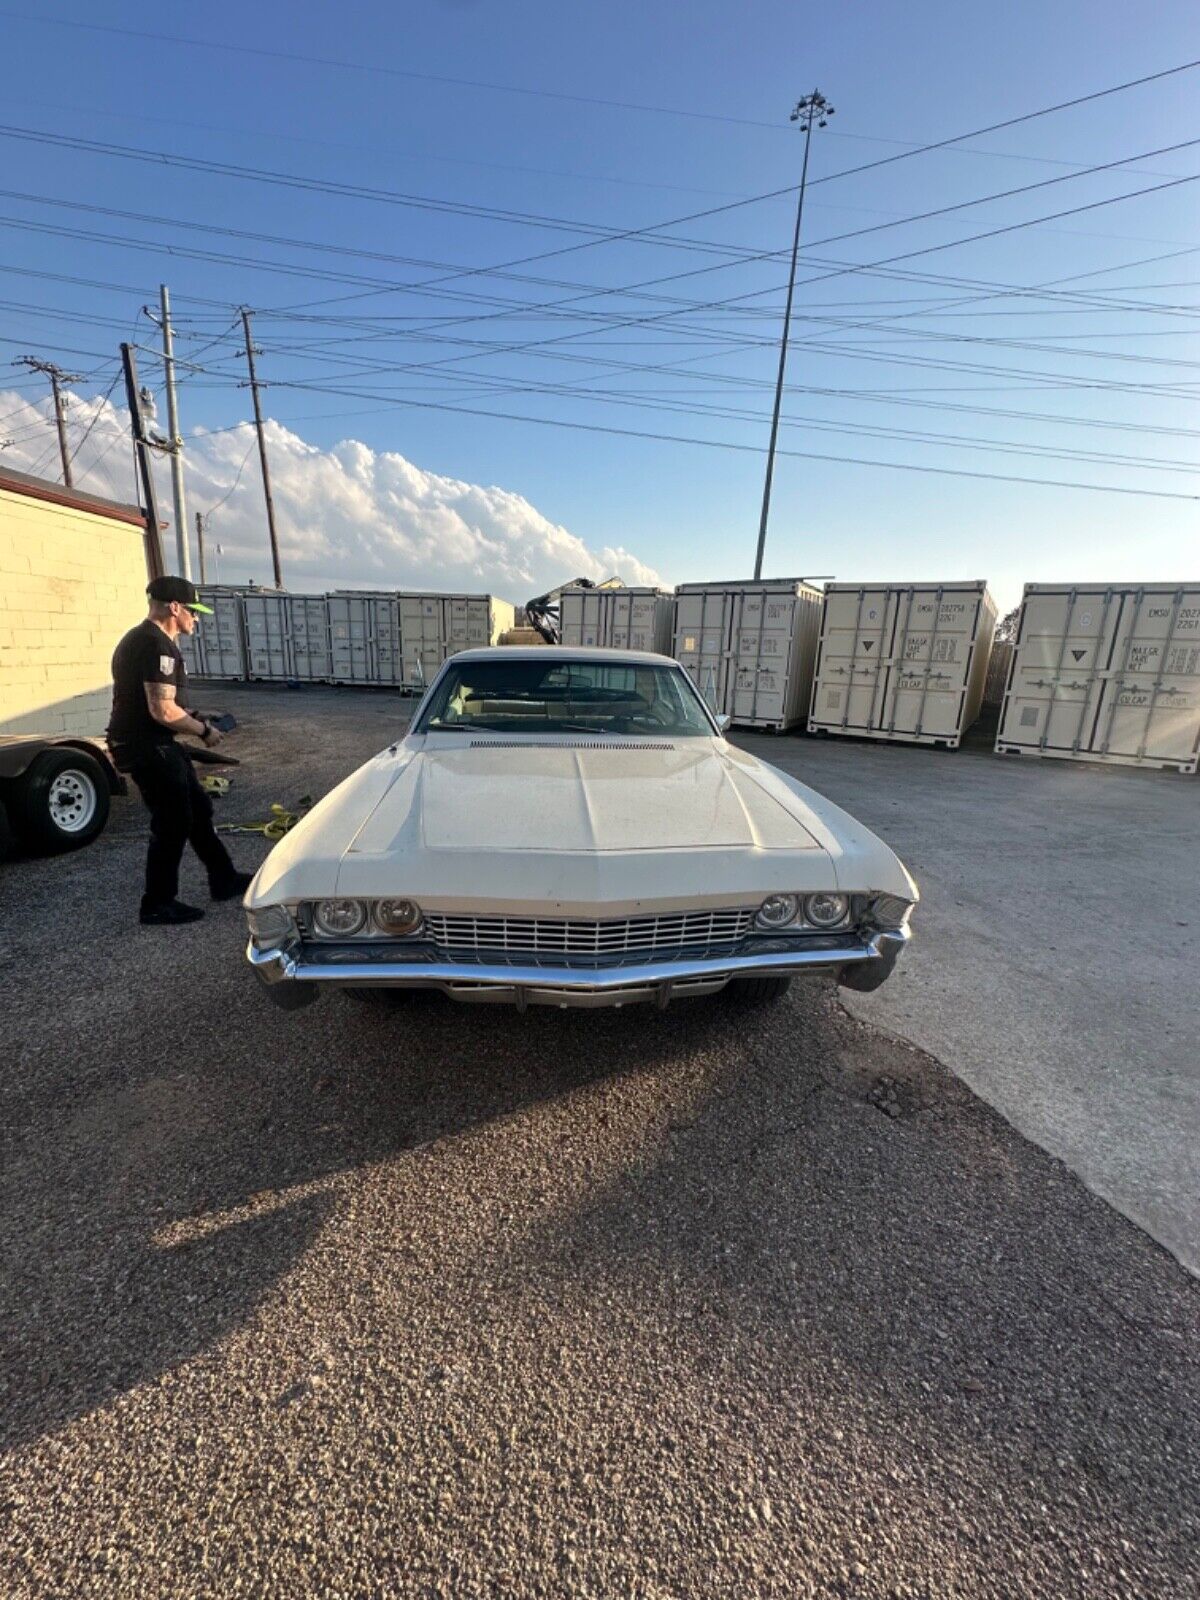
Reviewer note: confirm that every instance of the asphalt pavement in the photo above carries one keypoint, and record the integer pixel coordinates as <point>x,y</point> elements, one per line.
<point>413,1299</point>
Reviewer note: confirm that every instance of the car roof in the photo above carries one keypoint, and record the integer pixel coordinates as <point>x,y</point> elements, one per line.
<point>563,652</point>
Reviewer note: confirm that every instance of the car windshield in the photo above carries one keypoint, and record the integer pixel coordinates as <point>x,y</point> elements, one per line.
<point>550,695</point>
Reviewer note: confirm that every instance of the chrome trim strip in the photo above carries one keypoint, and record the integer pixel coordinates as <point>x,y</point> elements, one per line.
<point>288,965</point>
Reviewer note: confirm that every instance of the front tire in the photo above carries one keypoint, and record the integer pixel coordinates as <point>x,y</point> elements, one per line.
<point>758,991</point>
<point>61,802</point>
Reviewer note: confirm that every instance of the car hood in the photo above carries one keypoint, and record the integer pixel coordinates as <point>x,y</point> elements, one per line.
<point>589,828</point>
<point>591,796</point>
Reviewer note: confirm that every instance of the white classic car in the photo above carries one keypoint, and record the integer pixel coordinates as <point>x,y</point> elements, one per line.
<point>570,827</point>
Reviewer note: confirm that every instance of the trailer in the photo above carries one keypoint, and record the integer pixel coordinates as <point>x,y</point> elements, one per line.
<point>902,662</point>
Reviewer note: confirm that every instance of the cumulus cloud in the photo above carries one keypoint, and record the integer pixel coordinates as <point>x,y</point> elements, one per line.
<point>348,517</point>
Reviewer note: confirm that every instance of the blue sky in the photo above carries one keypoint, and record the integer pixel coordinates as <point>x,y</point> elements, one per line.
<point>914,73</point>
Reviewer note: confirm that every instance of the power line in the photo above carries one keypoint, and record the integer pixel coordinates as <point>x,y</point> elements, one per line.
<point>725,444</point>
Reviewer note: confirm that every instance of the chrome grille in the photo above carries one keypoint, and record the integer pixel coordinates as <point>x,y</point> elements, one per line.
<point>576,939</point>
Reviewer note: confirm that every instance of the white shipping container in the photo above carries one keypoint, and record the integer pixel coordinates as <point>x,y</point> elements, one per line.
<point>365,638</point>
<point>217,649</point>
<point>1106,673</point>
<point>750,647</point>
<point>307,617</point>
<point>619,619</point>
<point>268,636</point>
<point>903,661</point>
<point>434,626</point>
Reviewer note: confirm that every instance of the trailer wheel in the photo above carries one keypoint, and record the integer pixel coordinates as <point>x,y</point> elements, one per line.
<point>61,802</point>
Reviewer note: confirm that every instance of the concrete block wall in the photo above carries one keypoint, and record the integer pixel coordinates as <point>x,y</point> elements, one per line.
<point>72,581</point>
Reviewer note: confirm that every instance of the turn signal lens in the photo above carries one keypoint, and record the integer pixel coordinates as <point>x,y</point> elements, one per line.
<point>269,926</point>
<point>397,917</point>
<point>339,919</point>
<point>777,910</point>
<point>826,910</point>
<point>890,911</point>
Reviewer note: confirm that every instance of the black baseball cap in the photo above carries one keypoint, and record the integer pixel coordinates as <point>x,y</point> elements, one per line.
<point>165,590</point>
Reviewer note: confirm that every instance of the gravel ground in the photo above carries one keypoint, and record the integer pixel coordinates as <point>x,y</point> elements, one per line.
<point>412,1299</point>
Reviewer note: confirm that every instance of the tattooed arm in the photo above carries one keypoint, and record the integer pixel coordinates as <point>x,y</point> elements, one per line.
<point>160,697</point>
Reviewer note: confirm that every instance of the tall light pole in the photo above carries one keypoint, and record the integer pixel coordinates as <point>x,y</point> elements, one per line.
<point>814,108</point>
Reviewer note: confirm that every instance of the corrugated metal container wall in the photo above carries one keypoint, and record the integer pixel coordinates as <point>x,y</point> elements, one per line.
<point>903,661</point>
<point>218,647</point>
<point>307,619</point>
<point>423,635</point>
<point>364,631</point>
<point>434,626</point>
<point>996,681</point>
<point>1106,673</point>
<point>268,636</point>
<point>750,647</point>
<point>621,619</point>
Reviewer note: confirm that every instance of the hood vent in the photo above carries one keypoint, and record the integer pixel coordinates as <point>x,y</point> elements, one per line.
<point>568,744</point>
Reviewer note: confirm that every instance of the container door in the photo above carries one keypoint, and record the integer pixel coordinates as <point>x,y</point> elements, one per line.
<point>385,631</point>
<point>349,632</point>
<point>1065,647</point>
<point>221,637</point>
<point>570,617</point>
<point>634,622</point>
<point>468,624</point>
<point>267,641</point>
<point>855,649</point>
<point>704,619</point>
<point>926,681</point>
<point>423,630</point>
<point>762,643</point>
<point>1150,710</point>
<point>310,637</point>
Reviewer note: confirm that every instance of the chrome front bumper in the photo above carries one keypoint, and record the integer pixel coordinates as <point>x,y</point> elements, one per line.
<point>297,974</point>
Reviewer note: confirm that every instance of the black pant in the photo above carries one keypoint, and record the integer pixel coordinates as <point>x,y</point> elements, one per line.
<point>179,811</point>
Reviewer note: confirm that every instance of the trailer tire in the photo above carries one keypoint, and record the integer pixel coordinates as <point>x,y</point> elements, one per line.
<point>60,802</point>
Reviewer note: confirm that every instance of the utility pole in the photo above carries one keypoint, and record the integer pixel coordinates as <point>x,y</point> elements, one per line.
<point>141,449</point>
<point>176,438</point>
<point>812,108</point>
<point>57,377</point>
<point>262,450</point>
<point>200,545</point>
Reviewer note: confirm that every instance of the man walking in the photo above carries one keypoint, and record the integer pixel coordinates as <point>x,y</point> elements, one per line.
<point>149,688</point>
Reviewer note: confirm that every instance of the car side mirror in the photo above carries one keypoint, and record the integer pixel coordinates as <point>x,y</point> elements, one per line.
<point>723,721</point>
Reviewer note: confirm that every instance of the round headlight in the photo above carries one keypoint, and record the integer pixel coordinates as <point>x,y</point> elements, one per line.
<point>339,919</point>
<point>826,910</point>
<point>397,916</point>
<point>777,910</point>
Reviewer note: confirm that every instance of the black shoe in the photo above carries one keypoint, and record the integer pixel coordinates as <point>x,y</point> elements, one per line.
<point>232,888</point>
<point>169,915</point>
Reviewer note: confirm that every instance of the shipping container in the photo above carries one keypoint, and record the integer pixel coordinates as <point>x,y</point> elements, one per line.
<point>267,623</point>
<point>750,647</point>
<point>1106,673</point>
<point>307,621</point>
<point>619,619</point>
<point>434,626</point>
<point>902,661</point>
<point>217,649</point>
<point>364,631</point>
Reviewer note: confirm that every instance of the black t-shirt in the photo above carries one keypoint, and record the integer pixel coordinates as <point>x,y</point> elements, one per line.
<point>145,655</point>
